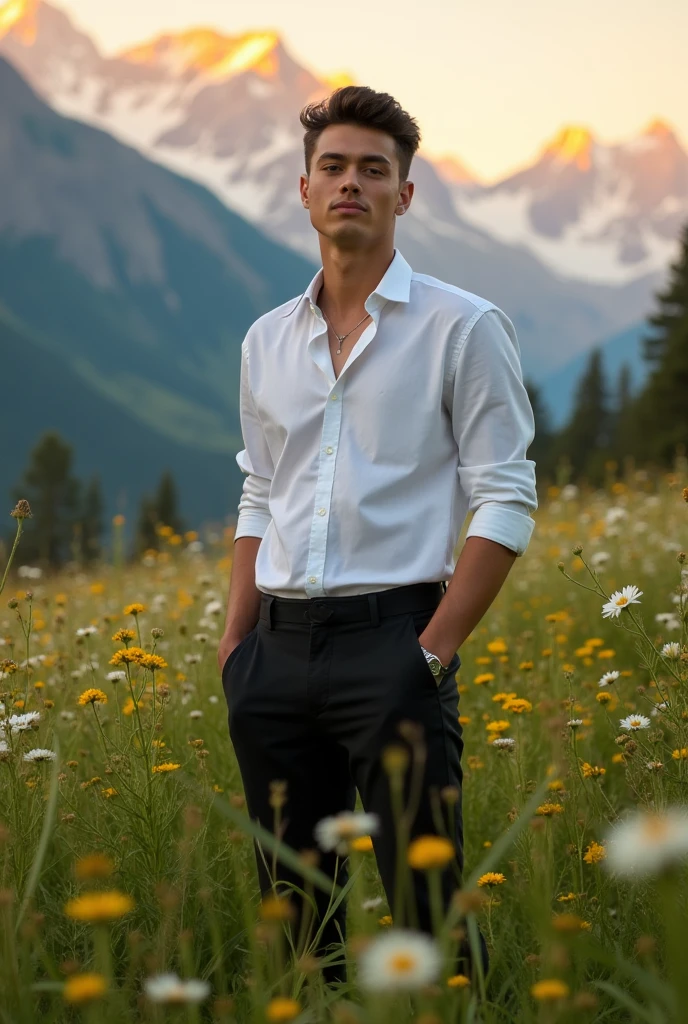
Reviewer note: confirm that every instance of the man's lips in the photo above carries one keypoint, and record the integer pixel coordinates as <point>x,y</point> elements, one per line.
<point>349,207</point>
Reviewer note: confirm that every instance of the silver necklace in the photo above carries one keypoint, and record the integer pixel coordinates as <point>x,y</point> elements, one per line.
<point>340,337</point>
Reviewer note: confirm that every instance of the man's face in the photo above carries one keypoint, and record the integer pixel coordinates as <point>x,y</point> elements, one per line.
<point>352,164</point>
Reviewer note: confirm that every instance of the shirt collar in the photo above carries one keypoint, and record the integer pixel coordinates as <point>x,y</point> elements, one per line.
<point>395,284</point>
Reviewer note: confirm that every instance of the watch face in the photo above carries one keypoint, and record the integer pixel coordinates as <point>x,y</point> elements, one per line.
<point>435,666</point>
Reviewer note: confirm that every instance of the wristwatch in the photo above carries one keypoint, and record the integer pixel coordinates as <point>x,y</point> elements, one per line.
<point>434,663</point>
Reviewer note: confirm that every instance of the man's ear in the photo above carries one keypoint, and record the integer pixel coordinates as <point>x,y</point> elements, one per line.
<point>303,188</point>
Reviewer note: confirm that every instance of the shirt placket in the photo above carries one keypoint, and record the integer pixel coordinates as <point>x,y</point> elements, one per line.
<point>329,443</point>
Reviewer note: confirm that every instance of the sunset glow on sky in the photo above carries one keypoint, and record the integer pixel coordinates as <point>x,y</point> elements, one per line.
<point>490,81</point>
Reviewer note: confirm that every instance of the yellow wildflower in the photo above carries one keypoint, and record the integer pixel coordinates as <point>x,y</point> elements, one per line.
<point>167,766</point>
<point>153,661</point>
<point>385,921</point>
<point>500,725</point>
<point>83,988</point>
<point>92,696</point>
<point>99,906</point>
<point>134,609</point>
<point>681,754</point>
<point>518,705</point>
<point>484,677</point>
<point>603,697</point>
<point>569,897</point>
<point>618,759</point>
<point>426,852</point>
<point>282,1009</point>
<point>277,908</point>
<point>549,810</point>
<point>497,646</point>
<point>474,763</point>
<point>569,923</point>
<point>123,636</point>
<point>492,878</point>
<point>594,853</point>
<point>362,844</point>
<point>556,785</point>
<point>128,656</point>
<point>592,771</point>
<point>458,981</point>
<point>549,990</point>
<point>109,792</point>
<point>499,698</point>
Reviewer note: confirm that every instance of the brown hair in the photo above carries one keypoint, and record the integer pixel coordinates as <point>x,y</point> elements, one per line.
<point>358,104</point>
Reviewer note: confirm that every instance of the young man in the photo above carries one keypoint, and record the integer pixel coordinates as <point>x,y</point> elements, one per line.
<point>377,409</point>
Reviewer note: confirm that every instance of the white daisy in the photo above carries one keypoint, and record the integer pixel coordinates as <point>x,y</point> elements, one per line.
<point>672,650</point>
<point>398,960</point>
<point>201,638</point>
<point>664,617</point>
<point>648,842</point>
<point>615,513</point>
<point>504,743</point>
<point>213,698</point>
<point>67,716</point>
<point>333,832</point>
<point>574,723</point>
<point>599,558</point>
<point>195,714</point>
<point>169,988</point>
<point>620,599</point>
<point>634,722</point>
<point>39,754</point>
<point>20,723</point>
<point>116,676</point>
<point>213,608</point>
<point>192,659</point>
<point>608,678</point>
<point>86,630</point>
<point>4,749</point>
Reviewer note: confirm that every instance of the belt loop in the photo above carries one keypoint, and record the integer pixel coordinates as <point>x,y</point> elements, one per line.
<point>268,610</point>
<point>444,585</point>
<point>374,610</point>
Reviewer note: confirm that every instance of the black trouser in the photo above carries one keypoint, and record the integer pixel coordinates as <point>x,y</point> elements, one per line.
<point>315,693</point>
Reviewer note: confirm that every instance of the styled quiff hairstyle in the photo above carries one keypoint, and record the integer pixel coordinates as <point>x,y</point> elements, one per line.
<point>358,104</point>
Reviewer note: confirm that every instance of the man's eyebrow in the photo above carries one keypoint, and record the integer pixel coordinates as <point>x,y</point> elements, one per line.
<point>367,158</point>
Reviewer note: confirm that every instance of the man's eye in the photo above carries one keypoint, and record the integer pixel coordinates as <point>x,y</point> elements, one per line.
<point>329,167</point>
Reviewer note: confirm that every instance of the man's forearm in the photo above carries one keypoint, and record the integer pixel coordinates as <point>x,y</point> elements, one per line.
<point>243,602</point>
<point>480,572</point>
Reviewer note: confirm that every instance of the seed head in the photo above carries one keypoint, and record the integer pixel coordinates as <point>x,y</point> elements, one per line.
<point>22,510</point>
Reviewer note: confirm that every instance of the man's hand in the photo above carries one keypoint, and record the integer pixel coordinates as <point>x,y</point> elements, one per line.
<point>227,645</point>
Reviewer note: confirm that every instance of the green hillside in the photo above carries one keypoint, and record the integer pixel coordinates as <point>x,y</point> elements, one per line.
<point>127,291</point>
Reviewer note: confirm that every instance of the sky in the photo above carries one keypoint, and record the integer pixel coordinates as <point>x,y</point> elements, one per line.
<point>490,81</point>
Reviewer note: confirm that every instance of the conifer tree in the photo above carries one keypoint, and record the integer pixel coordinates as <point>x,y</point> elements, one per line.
<point>662,406</point>
<point>91,522</point>
<point>166,505</point>
<point>540,449</point>
<point>53,493</point>
<point>586,439</point>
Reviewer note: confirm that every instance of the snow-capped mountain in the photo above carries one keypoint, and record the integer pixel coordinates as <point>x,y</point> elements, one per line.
<point>588,209</point>
<point>223,110</point>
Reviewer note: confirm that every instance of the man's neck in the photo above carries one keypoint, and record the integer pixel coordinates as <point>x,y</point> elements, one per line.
<point>349,276</point>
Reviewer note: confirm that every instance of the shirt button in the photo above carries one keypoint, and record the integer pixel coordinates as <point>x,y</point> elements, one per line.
<point>322,511</point>
<point>334,398</point>
<point>312,579</point>
<point>328,450</point>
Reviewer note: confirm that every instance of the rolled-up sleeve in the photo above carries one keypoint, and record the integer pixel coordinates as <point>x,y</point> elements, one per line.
<point>255,461</point>
<point>493,425</point>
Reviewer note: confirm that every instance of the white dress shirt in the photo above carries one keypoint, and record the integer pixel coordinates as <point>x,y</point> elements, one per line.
<point>363,482</point>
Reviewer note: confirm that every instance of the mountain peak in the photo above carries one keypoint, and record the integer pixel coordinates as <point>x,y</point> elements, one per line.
<point>20,16</point>
<point>659,129</point>
<point>206,51</point>
<point>572,145</point>
<point>452,170</point>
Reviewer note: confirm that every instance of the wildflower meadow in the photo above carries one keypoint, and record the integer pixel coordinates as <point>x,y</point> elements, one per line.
<point>128,888</point>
